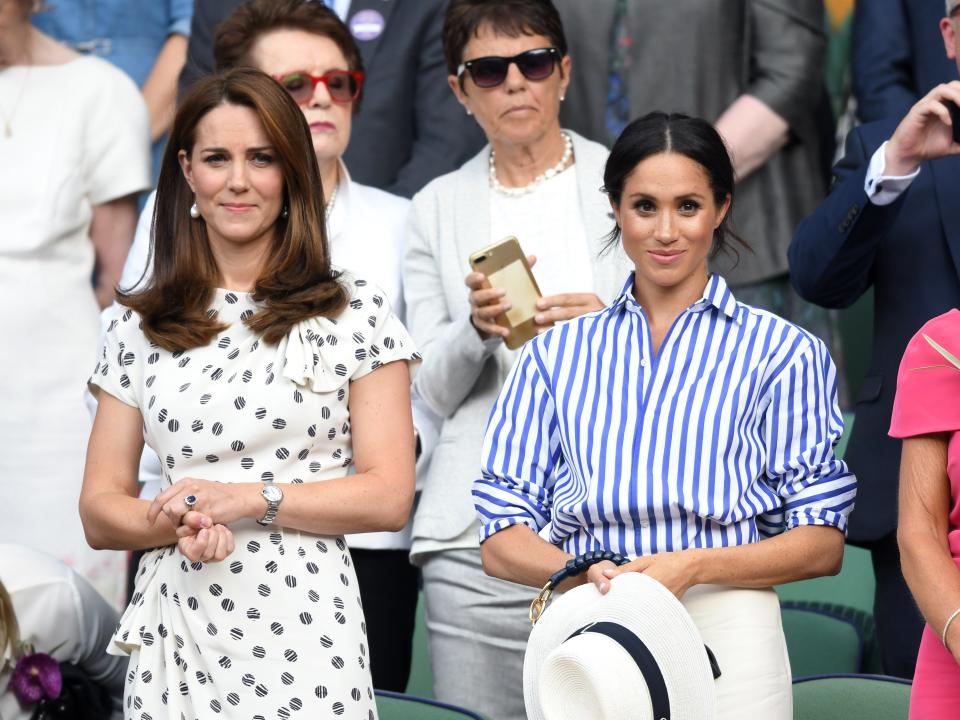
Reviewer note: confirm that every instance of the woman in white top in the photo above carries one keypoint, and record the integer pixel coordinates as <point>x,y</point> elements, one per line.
<point>290,40</point>
<point>74,151</point>
<point>261,376</point>
<point>509,69</point>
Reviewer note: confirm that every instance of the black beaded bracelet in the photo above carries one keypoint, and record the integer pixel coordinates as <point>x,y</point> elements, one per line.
<point>573,567</point>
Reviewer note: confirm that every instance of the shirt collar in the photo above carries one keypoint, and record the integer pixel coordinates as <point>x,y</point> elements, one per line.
<point>716,294</point>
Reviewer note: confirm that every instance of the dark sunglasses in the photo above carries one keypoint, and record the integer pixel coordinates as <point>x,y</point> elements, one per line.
<point>343,85</point>
<point>488,72</point>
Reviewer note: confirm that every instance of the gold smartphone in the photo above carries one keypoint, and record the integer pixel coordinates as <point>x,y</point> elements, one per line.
<point>506,267</point>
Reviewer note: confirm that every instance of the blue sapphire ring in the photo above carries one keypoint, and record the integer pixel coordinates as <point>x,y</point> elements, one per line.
<point>190,500</point>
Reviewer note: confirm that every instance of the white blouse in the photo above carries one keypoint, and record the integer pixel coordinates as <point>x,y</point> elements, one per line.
<point>549,224</point>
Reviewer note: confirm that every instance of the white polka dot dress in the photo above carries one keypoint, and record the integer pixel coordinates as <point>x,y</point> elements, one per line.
<point>277,629</point>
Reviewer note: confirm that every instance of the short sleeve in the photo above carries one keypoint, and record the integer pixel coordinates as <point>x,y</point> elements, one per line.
<point>116,136</point>
<point>119,359</point>
<point>387,340</point>
<point>181,13</point>
<point>928,384</point>
<point>787,51</point>
<point>322,353</point>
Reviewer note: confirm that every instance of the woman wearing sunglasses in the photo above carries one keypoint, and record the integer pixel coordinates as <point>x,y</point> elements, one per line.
<point>307,49</point>
<point>509,69</point>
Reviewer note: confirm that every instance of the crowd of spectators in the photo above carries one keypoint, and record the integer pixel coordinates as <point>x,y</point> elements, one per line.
<point>429,130</point>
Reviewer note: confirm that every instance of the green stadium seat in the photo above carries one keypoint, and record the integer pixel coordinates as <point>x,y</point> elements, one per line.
<point>851,697</point>
<point>394,706</point>
<point>421,675</point>
<point>825,638</point>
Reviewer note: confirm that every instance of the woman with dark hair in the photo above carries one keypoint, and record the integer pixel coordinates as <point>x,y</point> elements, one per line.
<point>509,69</point>
<point>310,51</point>
<point>260,376</point>
<point>677,427</point>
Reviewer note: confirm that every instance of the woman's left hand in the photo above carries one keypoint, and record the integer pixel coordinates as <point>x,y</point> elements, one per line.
<point>557,308</point>
<point>674,570</point>
<point>223,503</point>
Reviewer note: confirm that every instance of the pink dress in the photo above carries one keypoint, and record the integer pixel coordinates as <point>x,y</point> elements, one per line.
<point>928,401</point>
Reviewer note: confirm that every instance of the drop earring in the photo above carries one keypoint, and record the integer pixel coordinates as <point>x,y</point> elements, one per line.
<point>285,212</point>
<point>195,211</point>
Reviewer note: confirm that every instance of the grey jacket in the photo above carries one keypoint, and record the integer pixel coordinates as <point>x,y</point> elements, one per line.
<point>697,57</point>
<point>461,375</point>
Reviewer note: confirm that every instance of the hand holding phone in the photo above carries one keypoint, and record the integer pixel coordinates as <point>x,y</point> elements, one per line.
<point>954,118</point>
<point>930,130</point>
<point>504,292</point>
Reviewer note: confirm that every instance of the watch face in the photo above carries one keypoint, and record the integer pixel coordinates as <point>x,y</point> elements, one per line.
<point>272,493</point>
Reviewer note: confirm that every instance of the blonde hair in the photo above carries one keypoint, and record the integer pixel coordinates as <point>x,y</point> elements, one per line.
<point>9,629</point>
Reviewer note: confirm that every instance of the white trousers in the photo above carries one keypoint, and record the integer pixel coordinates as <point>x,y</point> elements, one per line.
<point>743,629</point>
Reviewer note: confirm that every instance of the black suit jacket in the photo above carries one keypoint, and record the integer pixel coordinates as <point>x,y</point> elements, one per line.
<point>410,128</point>
<point>896,55</point>
<point>909,252</point>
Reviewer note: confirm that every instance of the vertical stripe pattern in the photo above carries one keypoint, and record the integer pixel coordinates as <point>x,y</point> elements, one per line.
<point>724,437</point>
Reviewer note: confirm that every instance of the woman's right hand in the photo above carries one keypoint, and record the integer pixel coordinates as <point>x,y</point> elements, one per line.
<point>596,576</point>
<point>201,542</point>
<point>486,303</point>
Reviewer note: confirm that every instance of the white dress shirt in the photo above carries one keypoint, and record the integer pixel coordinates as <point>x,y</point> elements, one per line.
<point>884,189</point>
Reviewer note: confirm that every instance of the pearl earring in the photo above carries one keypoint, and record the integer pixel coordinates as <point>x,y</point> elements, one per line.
<point>195,211</point>
<point>468,111</point>
<point>285,212</point>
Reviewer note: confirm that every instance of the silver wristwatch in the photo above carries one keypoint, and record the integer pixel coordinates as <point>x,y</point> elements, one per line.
<point>274,496</point>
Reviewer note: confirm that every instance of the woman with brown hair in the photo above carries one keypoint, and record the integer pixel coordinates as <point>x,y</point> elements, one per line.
<point>310,51</point>
<point>247,364</point>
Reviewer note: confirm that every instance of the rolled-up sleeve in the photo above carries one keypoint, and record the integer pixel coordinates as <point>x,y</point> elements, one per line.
<point>521,452</point>
<point>802,425</point>
<point>787,59</point>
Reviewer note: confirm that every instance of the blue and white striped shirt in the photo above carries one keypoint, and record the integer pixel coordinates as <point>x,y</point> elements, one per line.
<point>724,437</point>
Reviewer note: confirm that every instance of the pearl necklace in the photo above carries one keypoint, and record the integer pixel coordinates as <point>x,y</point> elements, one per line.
<point>8,119</point>
<point>328,205</point>
<point>537,181</point>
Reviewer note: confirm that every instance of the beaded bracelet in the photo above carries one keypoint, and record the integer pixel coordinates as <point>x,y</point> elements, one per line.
<point>573,567</point>
<point>946,627</point>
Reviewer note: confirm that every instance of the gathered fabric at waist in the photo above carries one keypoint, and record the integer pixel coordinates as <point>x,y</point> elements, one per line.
<point>270,584</point>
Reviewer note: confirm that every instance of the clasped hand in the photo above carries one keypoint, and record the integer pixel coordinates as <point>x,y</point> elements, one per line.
<point>673,570</point>
<point>202,532</point>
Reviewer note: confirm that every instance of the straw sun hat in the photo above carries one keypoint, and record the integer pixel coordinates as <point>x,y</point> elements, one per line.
<point>632,654</point>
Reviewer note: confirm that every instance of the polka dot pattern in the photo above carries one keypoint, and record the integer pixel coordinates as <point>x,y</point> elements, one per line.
<point>276,630</point>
